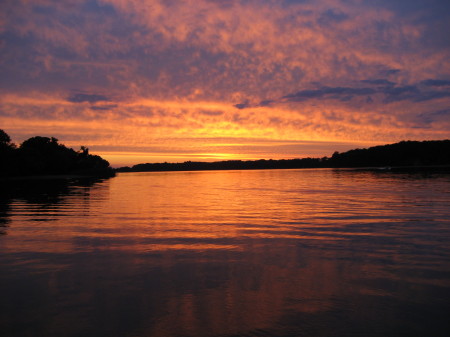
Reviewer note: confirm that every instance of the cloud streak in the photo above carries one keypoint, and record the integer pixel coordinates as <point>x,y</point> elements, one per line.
<point>388,92</point>
<point>91,98</point>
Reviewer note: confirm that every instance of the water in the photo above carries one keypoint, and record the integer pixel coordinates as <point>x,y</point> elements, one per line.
<point>227,253</point>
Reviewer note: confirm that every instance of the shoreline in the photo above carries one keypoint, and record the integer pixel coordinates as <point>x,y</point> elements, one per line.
<point>68,176</point>
<point>422,168</point>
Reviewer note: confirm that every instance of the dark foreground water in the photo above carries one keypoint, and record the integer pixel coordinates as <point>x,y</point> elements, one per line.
<point>232,253</point>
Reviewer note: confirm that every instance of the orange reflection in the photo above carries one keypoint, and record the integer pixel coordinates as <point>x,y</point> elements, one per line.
<point>228,252</point>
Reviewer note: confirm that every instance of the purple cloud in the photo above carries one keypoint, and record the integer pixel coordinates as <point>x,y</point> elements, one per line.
<point>90,98</point>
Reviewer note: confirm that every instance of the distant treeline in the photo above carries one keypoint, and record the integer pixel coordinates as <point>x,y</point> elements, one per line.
<point>404,154</point>
<point>45,156</point>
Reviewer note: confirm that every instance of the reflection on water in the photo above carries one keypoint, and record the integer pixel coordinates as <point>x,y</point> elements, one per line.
<point>227,253</point>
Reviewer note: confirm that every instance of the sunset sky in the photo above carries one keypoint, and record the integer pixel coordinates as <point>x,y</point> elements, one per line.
<point>165,80</point>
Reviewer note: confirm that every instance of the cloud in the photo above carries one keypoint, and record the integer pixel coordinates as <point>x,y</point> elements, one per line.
<point>380,81</point>
<point>432,95</point>
<point>339,93</point>
<point>104,107</point>
<point>331,16</point>
<point>159,70</point>
<point>390,72</point>
<point>90,98</point>
<point>436,83</point>
<point>408,92</point>
<point>220,48</point>
<point>267,102</point>
<point>211,112</point>
<point>430,117</point>
<point>414,93</point>
<point>388,90</point>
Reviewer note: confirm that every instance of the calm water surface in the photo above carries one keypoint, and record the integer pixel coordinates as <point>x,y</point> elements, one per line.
<point>227,253</point>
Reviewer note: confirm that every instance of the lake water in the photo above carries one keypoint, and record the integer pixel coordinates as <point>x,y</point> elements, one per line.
<point>227,253</point>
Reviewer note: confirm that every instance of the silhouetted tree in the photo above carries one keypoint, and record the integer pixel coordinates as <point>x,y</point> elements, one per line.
<point>402,154</point>
<point>44,155</point>
<point>84,151</point>
<point>4,138</point>
<point>6,153</point>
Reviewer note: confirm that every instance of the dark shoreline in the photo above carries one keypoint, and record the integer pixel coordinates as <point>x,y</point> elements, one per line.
<point>394,169</point>
<point>405,155</point>
<point>420,168</point>
<point>67,176</point>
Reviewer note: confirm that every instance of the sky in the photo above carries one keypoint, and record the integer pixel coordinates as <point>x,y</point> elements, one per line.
<point>141,81</point>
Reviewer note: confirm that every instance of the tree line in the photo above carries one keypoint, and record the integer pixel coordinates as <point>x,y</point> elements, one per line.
<point>45,156</point>
<point>405,154</point>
